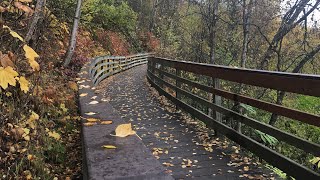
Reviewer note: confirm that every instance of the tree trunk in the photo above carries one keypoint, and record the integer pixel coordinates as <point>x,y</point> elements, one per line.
<point>73,39</point>
<point>214,82</point>
<point>153,14</point>
<point>246,11</point>
<point>281,94</point>
<point>36,16</point>
<point>290,20</point>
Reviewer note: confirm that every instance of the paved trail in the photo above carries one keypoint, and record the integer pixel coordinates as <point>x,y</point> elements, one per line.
<point>169,138</point>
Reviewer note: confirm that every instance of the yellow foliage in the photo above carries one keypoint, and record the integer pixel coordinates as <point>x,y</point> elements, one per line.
<point>24,84</point>
<point>73,85</point>
<point>124,130</point>
<point>54,135</point>
<point>93,120</point>
<point>13,33</point>
<point>109,147</point>
<point>7,76</point>
<point>31,55</point>
<point>26,134</point>
<point>33,117</point>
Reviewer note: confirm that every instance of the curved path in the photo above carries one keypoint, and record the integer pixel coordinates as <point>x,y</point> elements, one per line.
<point>175,144</point>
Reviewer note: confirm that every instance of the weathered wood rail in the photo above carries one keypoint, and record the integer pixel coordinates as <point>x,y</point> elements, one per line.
<point>164,74</point>
<point>105,66</point>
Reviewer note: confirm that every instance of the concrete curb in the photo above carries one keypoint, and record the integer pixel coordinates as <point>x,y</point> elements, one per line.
<point>131,159</point>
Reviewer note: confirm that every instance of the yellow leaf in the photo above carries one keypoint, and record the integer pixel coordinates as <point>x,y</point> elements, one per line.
<point>27,138</point>
<point>31,55</point>
<point>26,134</point>
<point>83,95</point>
<point>63,107</point>
<point>89,124</point>
<point>13,33</point>
<point>92,120</point>
<point>106,122</point>
<point>246,168</point>
<point>24,84</point>
<point>109,147</point>
<point>8,94</point>
<point>54,135</point>
<point>33,117</point>
<point>124,130</point>
<point>26,131</point>
<point>7,76</point>
<point>73,85</point>
<point>30,157</point>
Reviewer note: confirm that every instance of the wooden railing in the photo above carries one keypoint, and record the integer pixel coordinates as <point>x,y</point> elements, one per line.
<point>165,74</point>
<point>105,66</point>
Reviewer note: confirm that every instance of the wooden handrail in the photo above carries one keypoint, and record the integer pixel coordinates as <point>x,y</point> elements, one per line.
<point>304,84</point>
<point>289,82</point>
<point>105,66</point>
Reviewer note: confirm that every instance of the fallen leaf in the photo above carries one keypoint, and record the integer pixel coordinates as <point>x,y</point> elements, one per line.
<point>7,77</point>
<point>5,60</point>
<point>13,33</point>
<point>89,124</point>
<point>27,1</point>
<point>54,135</point>
<point>246,168</point>
<point>124,130</point>
<point>109,147</point>
<point>27,138</point>
<point>31,55</point>
<point>92,120</point>
<point>84,86</point>
<point>31,121</point>
<point>83,94</point>
<point>2,9</point>
<point>168,164</point>
<point>90,113</point>
<point>106,122</point>
<point>12,56</point>
<point>93,102</point>
<point>63,108</point>
<point>94,97</point>
<point>24,84</point>
<point>30,157</point>
<point>22,7</point>
<point>73,85</point>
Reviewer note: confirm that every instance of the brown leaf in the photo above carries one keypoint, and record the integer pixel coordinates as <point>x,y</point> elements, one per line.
<point>24,8</point>
<point>27,1</point>
<point>2,9</point>
<point>12,56</point>
<point>17,133</point>
<point>6,61</point>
